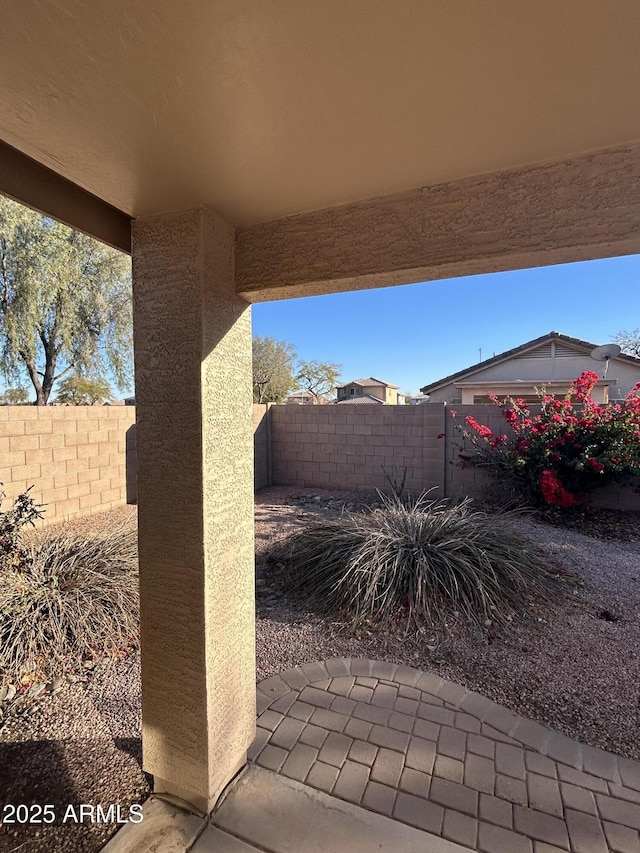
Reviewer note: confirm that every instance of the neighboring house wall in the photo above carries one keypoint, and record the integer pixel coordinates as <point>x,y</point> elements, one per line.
<point>74,456</point>
<point>385,393</point>
<point>446,394</point>
<point>353,389</point>
<point>300,400</point>
<point>621,375</point>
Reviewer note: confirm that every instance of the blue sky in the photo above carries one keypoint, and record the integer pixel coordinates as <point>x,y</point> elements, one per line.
<point>415,334</point>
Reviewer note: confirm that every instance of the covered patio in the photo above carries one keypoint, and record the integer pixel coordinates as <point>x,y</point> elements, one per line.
<point>245,151</point>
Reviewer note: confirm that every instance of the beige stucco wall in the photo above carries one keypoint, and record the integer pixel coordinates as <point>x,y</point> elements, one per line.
<point>386,394</point>
<point>261,451</point>
<point>74,456</point>
<point>378,391</point>
<point>195,513</point>
<point>621,375</point>
<point>574,209</point>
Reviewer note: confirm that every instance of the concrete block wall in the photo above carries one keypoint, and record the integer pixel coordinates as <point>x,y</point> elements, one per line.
<point>74,456</point>
<point>262,445</point>
<point>82,459</point>
<point>351,446</point>
<point>625,497</point>
<point>467,481</point>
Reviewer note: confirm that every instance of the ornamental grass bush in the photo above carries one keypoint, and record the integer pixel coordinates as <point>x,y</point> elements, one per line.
<point>65,600</point>
<point>560,455</point>
<point>429,560</point>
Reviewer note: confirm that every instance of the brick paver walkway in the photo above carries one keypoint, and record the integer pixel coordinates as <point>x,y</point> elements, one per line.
<point>439,757</point>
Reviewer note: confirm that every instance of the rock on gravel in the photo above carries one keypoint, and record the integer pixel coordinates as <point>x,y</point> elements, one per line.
<point>63,752</point>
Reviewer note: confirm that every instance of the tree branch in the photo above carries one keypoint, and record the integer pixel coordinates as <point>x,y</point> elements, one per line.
<point>62,372</point>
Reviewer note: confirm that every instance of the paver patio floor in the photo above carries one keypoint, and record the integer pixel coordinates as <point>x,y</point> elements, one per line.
<point>434,755</point>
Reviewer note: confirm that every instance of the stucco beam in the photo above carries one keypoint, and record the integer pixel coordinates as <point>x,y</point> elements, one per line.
<point>576,209</point>
<point>29,182</point>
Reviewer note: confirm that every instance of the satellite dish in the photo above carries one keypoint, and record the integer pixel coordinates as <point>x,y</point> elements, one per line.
<point>605,353</point>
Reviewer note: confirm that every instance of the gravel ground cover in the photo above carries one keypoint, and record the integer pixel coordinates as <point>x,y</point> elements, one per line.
<point>574,667</point>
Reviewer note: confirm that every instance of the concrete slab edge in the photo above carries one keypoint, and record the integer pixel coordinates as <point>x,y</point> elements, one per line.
<point>280,815</point>
<point>163,827</point>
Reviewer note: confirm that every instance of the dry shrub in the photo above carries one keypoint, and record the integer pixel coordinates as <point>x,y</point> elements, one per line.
<point>431,559</point>
<point>76,597</point>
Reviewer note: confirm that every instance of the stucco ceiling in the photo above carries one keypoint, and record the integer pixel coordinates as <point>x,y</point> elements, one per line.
<point>265,108</point>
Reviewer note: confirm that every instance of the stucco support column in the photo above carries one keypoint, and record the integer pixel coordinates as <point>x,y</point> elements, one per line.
<point>195,504</point>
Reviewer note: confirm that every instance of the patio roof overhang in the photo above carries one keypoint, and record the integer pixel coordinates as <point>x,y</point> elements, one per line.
<point>266,111</point>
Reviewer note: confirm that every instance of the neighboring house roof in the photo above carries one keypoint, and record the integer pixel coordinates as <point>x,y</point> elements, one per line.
<point>358,401</point>
<point>520,350</point>
<point>368,383</point>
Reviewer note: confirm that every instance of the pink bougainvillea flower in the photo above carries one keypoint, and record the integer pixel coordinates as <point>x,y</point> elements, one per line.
<point>583,386</point>
<point>480,429</point>
<point>553,491</point>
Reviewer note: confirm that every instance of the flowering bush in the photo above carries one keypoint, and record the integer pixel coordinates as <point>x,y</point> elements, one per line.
<point>572,446</point>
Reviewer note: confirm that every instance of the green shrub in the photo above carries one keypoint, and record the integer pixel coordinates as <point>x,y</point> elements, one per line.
<point>78,598</point>
<point>433,559</point>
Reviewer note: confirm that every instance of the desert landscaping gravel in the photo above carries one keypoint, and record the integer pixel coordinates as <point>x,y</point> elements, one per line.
<point>574,667</point>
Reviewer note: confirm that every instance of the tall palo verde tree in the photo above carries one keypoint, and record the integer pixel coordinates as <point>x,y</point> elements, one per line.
<point>65,302</point>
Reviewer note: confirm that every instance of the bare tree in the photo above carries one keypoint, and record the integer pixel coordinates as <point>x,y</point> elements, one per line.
<point>318,378</point>
<point>629,341</point>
